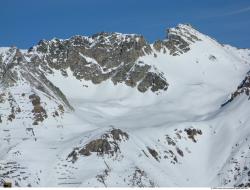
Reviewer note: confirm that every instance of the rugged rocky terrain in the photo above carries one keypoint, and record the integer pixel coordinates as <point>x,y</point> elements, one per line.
<point>114,110</point>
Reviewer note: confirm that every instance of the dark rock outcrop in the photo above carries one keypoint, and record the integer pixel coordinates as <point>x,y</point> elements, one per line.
<point>192,133</point>
<point>100,57</point>
<point>154,153</point>
<point>243,88</point>
<point>107,144</point>
<point>178,40</point>
<point>38,111</point>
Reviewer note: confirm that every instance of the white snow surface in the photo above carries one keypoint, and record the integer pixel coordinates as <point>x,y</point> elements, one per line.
<point>197,88</point>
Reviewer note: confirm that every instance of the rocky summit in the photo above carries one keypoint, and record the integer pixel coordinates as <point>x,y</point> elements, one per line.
<point>113,110</point>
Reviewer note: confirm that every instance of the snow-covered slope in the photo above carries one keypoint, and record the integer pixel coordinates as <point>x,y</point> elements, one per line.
<point>114,110</point>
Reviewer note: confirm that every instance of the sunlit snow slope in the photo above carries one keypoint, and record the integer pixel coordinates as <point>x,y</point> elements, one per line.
<point>113,110</point>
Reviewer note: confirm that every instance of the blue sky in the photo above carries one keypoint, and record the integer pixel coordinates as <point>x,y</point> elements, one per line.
<point>25,22</point>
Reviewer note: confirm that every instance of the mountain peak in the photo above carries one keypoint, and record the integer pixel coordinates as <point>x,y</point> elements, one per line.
<point>184,31</point>
<point>113,110</point>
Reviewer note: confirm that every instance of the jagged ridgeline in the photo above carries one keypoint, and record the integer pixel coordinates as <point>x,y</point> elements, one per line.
<point>101,57</point>
<point>110,56</point>
<point>98,58</point>
<point>114,110</point>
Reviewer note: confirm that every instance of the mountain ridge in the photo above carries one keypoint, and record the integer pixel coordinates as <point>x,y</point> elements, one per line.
<point>114,110</point>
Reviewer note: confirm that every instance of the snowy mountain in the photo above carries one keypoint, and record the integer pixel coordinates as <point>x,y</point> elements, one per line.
<point>114,110</point>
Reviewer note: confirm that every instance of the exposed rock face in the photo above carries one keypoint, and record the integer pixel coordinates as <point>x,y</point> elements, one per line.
<point>140,179</point>
<point>154,82</point>
<point>100,57</point>
<point>192,133</point>
<point>107,144</point>
<point>20,80</point>
<point>178,40</point>
<point>156,140</point>
<point>243,88</point>
<point>12,58</point>
<point>154,153</point>
<point>38,111</point>
<point>15,109</point>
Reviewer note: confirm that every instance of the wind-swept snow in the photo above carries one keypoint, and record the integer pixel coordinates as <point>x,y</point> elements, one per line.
<point>179,137</point>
